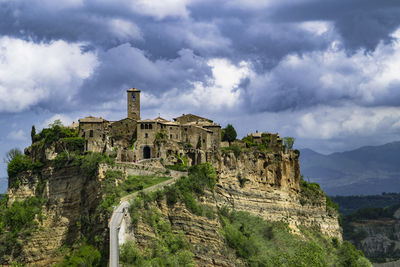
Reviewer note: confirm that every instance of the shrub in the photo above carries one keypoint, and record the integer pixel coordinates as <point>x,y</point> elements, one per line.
<point>310,193</point>
<point>22,163</point>
<point>86,255</point>
<point>54,133</point>
<point>330,205</point>
<point>90,163</point>
<point>74,144</point>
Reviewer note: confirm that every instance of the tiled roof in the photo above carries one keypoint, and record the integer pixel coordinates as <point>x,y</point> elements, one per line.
<point>92,119</point>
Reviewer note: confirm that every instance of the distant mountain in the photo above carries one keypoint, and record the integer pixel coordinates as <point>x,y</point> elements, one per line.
<point>368,170</point>
<point>3,185</point>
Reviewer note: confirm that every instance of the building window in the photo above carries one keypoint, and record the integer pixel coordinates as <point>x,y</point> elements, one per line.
<point>146,126</point>
<point>150,126</point>
<point>170,128</point>
<point>170,136</point>
<point>146,135</point>
<point>186,129</point>
<point>141,126</point>
<point>91,133</point>
<point>177,136</point>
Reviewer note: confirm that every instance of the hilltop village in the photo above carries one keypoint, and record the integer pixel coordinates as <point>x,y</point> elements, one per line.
<point>135,139</point>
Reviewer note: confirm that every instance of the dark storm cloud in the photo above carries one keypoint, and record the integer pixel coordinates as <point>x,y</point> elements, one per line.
<point>361,23</point>
<point>160,51</point>
<point>125,66</point>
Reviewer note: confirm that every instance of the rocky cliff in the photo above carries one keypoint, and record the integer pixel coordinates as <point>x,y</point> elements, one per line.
<point>69,199</point>
<point>268,185</point>
<point>265,184</point>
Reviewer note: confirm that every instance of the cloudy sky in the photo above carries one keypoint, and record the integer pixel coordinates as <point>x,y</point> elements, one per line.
<point>326,72</point>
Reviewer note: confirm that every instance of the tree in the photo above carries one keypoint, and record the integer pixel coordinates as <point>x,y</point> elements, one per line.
<point>11,154</point>
<point>229,133</point>
<point>56,123</point>
<point>288,142</point>
<point>33,133</point>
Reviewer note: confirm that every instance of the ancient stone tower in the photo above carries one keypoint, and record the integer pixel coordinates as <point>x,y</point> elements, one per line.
<point>133,103</point>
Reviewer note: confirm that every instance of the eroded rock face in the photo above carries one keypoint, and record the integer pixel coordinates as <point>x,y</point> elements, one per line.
<point>268,185</point>
<point>264,184</point>
<point>201,233</point>
<point>381,238</point>
<point>69,195</point>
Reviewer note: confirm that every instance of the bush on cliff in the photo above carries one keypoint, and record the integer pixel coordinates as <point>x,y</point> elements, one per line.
<point>311,193</point>
<point>85,255</point>
<point>21,163</point>
<point>50,135</point>
<point>17,222</point>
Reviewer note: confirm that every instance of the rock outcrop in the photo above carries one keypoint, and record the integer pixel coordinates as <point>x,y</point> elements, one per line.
<point>266,184</point>
<point>69,196</point>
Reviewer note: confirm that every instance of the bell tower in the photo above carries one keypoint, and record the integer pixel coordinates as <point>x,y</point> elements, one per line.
<point>133,95</point>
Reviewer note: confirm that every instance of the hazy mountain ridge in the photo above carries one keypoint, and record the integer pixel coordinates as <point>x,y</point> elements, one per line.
<point>366,170</point>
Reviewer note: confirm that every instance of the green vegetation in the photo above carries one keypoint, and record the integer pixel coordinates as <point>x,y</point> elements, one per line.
<point>228,133</point>
<point>166,248</point>
<point>21,163</point>
<point>18,222</point>
<point>262,243</point>
<point>55,132</point>
<point>288,142</point>
<point>85,255</point>
<point>232,148</point>
<point>356,235</point>
<point>115,187</point>
<point>181,165</point>
<point>265,143</point>
<point>311,193</point>
<point>350,204</point>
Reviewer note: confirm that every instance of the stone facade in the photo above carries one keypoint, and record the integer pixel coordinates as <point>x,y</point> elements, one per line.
<point>134,139</point>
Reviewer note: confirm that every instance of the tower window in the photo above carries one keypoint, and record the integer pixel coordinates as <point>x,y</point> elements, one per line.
<point>146,126</point>
<point>91,133</point>
<point>146,135</point>
<point>170,136</point>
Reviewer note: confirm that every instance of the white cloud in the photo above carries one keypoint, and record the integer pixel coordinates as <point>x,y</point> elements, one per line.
<point>65,119</point>
<point>124,30</point>
<point>219,91</point>
<point>316,27</point>
<point>32,73</point>
<point>161,9</point>
<point>331,76</point>
<point>347,122</point>
<point>18,135</point>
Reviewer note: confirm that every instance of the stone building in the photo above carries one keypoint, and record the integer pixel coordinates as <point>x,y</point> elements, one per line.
<point>134,139</point>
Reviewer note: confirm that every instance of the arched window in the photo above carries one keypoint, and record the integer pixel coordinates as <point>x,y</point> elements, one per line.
<point>141,126</point>
<point>150,126</point>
